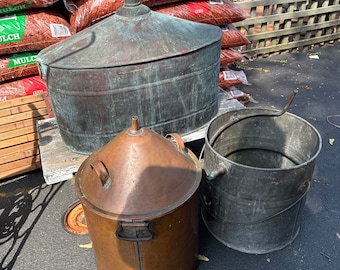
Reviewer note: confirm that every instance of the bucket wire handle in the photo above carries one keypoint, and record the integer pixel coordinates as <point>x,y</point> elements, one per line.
<point>225,126</point>
<point>306,189</point>
<point>278,113</point>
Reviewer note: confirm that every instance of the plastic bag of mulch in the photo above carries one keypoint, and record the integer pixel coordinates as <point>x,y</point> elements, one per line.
<point>229,78</point>
<point>229,56</point>
<point>18,65</point>
<point>232,37</point>
<point>83,13</point>
<point>211,12</point>
<point>240,96</point>
<point>22,87</point>
<point>32,30</point>
<point>12,6</point>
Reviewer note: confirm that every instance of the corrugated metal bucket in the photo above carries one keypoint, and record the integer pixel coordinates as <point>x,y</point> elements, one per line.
<point>258,172</point>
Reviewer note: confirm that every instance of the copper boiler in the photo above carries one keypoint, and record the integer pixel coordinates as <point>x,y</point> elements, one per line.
<point>139,193</point>
<point>135,62</point>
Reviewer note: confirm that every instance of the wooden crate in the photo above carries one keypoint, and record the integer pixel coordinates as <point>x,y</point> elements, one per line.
<point>19,148</point>
<point>288,26</point>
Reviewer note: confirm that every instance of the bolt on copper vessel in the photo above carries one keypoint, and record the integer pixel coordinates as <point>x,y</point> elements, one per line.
<point>140,198</point>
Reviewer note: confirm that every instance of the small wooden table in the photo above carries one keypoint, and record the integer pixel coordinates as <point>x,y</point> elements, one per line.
<point>59,163</point>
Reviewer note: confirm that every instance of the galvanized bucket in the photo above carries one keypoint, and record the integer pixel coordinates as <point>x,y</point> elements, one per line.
<point>258,172</point>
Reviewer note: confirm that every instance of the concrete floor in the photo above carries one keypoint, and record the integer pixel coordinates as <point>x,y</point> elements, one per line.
<point>31,231</point>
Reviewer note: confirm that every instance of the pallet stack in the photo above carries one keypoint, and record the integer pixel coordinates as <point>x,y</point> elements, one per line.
<point>27,27</point>
<point>19,148</point>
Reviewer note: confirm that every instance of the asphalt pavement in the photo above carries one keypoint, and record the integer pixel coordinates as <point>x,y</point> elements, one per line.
<point>32,235</point>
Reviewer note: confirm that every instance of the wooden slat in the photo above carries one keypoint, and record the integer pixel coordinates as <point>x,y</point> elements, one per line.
<point>276,26</point>
<point>22,108</point>
<point>19,148</point>
<point>20,163</point>
<point>20,169</point>
<point>23,116</point>
<point>255,3</point>
<point>21,124</point>
<point>295,44</point>
<point>20,101</point>
<point>18,132</point>
<point>293,30</point>
<point>288,15</point>
<point>18,140</point>
<point>34,151</point>
<point>19,145</point>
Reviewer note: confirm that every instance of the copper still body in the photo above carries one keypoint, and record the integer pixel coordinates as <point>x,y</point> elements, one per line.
<point>140,198</point>
<point>135,62</point>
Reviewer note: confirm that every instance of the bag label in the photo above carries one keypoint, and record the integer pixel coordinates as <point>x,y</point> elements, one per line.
<point>15,8</point>
<point>59,30</point>
<point>12,28</point>
<point>198,8</point>
<point>22,59</point>
<point>34,85</point>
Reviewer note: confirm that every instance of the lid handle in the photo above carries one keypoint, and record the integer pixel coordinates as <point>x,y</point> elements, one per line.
<point>176,139</point>
<point>101,171</point>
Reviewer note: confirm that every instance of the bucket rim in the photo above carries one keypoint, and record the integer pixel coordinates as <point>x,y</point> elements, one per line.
<point>303,164</point>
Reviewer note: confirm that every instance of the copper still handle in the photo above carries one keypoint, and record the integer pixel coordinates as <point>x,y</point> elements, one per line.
<point>134,231</point>
<point>101,171</point>
<point>176,139</point>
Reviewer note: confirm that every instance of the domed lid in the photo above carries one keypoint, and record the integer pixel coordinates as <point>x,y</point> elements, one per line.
<point>135,34</point>
<point>138,174</point>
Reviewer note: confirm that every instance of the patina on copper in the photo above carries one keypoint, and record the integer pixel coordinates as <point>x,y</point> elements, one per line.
<point>139,195</point>
<point>136,62</point>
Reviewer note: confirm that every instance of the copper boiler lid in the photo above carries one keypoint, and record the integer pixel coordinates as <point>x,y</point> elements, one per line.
<point>138,174</point>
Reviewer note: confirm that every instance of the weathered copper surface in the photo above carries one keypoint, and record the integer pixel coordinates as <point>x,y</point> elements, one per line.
<point>136,62</point>
<point>139,195</point>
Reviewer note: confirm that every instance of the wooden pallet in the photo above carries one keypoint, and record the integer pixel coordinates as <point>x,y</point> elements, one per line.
<point>19,148</point>
<point>288,26</point>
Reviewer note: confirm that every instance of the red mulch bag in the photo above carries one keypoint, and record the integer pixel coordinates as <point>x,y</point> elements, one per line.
<point>18,65</point>
<point>32,30</point>
<point>11,6</point>
<point>231,37</point>
<point>229,56</point>
<point>217,13</point>
<point>229,78</point>
<point>84,13</point>
<point>22,87</point>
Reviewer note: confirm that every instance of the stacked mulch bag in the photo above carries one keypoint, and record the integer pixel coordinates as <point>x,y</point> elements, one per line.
<point>222,13</point>
<point>27,26</point>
